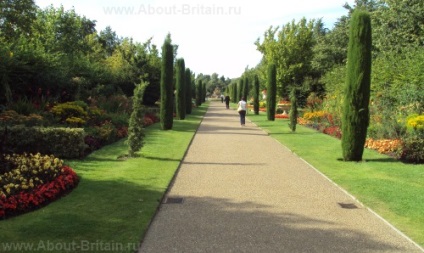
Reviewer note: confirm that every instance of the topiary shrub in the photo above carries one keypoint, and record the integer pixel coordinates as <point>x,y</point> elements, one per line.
<point>135,129</point>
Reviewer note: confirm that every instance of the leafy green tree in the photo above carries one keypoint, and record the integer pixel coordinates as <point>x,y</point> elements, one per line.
<point>167,88</point>
<point>109,40</point>
<point>293,110</point>
<point>398,25</point>
<point>356,104</point>
<point>180,90</point>
<point>291,50</point>
<point>188,91</point>
<point>16,18</point>
<point>135,128</point>
<point>256,95</point>
<point>271,92</point>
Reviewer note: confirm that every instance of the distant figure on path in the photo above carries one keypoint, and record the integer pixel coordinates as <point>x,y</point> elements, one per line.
<point>222,98</point>
<point>242,110</point>
<point>227,101</point>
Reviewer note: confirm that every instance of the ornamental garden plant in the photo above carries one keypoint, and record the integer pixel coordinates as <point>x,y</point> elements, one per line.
<point>28,182</point>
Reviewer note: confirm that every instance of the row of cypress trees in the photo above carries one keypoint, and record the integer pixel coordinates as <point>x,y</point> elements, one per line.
<point>355,118</point>
<point>183,88</point>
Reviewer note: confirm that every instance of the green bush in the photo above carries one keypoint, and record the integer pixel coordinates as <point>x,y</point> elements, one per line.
<point>70,109</point>
<point>412,150</point>
<point>61,142</point>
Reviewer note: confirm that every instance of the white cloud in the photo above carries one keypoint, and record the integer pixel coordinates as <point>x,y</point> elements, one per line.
<point>213,36</point>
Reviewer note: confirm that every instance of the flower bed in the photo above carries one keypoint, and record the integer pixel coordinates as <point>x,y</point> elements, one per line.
<point>385,146</point>
<point>28,182</point>
<point>282,116</point>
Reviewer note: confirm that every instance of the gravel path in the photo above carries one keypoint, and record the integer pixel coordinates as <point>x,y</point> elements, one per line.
<point>242,191</point>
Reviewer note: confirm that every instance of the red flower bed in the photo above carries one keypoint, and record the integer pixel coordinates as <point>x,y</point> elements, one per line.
<point>41,195</point>
<point>333,131</point>
<point>281,116</point>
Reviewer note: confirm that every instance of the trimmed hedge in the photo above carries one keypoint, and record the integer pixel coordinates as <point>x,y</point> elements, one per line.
<point>61,142</point>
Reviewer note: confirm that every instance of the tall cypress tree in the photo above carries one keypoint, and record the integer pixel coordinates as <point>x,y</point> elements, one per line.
<point>180,93</point>
<point>256,95</point>
<point>271,92</point>
<point>166,86</point>
<point>188,89</point>
<point>355,117</point>
<point>293,110</point>
<point>203,92</point>
<point>234,98</point>
<point>199,93</point>
<point>246,88</point>
<point>241,88</point>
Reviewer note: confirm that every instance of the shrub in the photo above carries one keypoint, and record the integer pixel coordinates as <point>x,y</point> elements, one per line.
<point>412,149</point>
<point>11,117</point>
<point>68,110</point>
<point>136,133</point>
<point>62,142</point>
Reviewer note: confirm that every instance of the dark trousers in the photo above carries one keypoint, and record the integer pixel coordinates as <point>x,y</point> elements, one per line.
<point>242,117</point>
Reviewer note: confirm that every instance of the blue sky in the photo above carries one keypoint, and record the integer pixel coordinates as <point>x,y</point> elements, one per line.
<point>213,36</point>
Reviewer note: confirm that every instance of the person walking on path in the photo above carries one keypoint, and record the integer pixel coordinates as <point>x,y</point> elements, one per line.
<point>242,110</point>
<point>227,102</point>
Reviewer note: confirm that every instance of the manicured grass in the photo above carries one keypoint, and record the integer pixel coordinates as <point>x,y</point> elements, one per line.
<point>391,188</point>
<point>115,200</point>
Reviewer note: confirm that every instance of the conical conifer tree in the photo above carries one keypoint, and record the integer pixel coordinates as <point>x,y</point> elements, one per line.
<point>180,90</point>
<point>271,92</point>
<point>188,89</point>
<point>256,95</point>
<point>355,117</point>
<point>166,85</point>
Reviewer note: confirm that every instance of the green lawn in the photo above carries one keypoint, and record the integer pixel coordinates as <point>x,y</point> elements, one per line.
<point>391,188</point>
<point>115,200</point>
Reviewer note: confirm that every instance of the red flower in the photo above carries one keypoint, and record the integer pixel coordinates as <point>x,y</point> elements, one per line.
<point>41,195</point>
